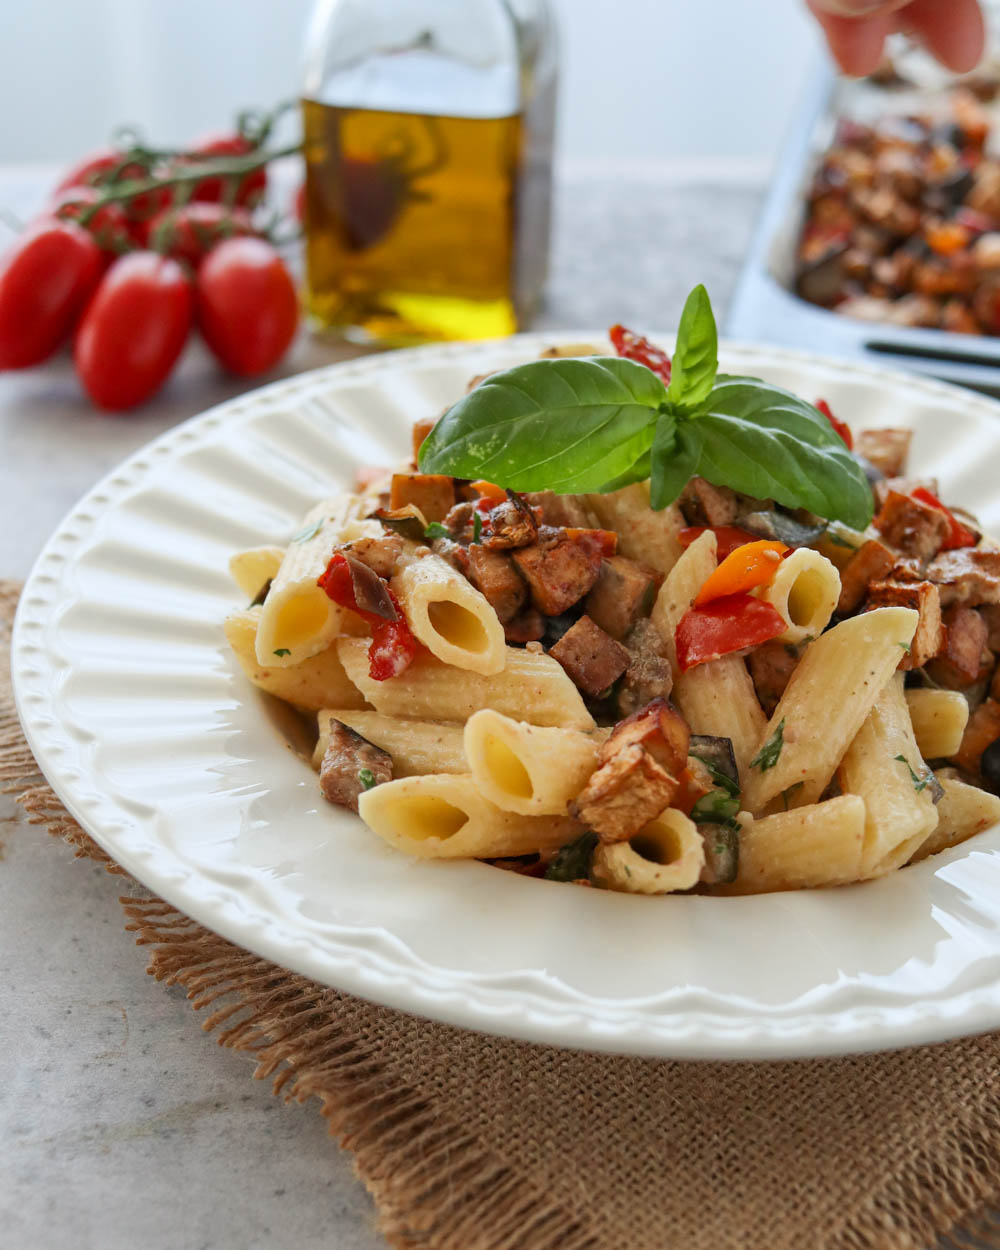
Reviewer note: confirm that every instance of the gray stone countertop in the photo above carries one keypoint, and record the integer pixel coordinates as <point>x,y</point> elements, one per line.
<point>121,1123</point>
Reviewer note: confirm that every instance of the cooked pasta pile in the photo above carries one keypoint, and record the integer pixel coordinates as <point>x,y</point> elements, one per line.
<point>724,695</point>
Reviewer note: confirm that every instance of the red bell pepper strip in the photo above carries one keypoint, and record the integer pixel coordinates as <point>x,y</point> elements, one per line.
<point>724,626</point>
<point>753,564</point>
<point>604,541</point>
<point>839,427</point>
<point>959,535</point>
<point>727,537</point>
<point>393,647</point>
<point>641,350</point>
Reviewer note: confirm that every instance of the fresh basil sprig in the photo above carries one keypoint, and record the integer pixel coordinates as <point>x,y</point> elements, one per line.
<point>601,422</point>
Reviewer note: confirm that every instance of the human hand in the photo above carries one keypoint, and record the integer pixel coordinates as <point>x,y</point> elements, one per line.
<point>856,30</point>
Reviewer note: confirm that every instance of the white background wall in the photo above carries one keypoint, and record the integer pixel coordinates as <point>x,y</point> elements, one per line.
<point>641,79</point>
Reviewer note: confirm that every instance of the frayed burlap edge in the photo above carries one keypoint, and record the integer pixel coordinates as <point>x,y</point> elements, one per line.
<point>451,1193</point>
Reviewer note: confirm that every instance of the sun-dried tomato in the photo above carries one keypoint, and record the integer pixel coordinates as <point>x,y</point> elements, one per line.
<point>393,647</point>
<point>634,347</point>
<point>838,426</point>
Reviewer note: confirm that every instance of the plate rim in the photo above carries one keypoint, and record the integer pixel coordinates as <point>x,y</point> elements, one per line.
<point>681,1035</point>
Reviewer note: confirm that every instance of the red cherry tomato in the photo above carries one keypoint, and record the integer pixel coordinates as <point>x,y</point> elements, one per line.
<point>108,225</point>
<point>723,626</point>
<point>247,306</point>
<point>133,330</point>
<point>93,170</point>
<point>46,279</point>
<point>842,430</point>
<point>96,169</point>
<point>189,233</point>
<point>252,186</point>
<point>635,347</point>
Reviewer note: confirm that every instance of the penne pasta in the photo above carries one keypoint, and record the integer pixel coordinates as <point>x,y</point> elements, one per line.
<point>820,844</point>
<point>453,620</point>
<point>251,570</point>
<point>884,767</point>
<point>527,768</point>
<point>531,685</point>
<point>963,812</point>
<point>831,691</point>
<point>446,817</point>
<point>299,619</point>
<point>416,746</point>
<point>716,698</point>
<point>644,535</point>
<point>805,590</point>
<point>317,682</point>
<point>665,855</point>
<point>939,719</point>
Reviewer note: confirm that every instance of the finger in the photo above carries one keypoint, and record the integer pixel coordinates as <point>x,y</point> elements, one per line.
<point>951,30</point>
<point>856,43</point>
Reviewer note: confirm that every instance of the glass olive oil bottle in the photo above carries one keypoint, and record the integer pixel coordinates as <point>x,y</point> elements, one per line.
<point>428,142</point>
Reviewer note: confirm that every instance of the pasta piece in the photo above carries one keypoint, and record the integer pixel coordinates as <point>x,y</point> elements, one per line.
<point>939,719</point>
<point>449,616</point>
<point>809,846</point>
<point>830,693</point>
<point>531,685</point>
<point>527,769</point>
<point>898,816</point>
<point>716,698</point>
<point>445,817</point>
<point>665,855</point>
<point>678,591</point>
<point>314,683</point>
<point>650,537</point>
<point>963,812</point>
<point>299,620</point>
<point>805,591</point>
<point>251,570</point>
<point>416,746</point>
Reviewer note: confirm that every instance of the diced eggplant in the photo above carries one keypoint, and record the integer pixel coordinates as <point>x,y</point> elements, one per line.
<point>782,528</point>
<point>261,594</point>
<point>432,493</point>
<point>717,754</point>
<point>722,853</point>
<point>370,592</point>
<point>408,521</point>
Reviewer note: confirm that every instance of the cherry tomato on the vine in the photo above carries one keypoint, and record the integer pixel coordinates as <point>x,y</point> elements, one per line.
<point>190,232</point>
<point>109,225</point>
<point>96,170</point>
<point>133,329</point>
<point>248,309</point>
<point>45,280</point>
<point>92,170</point>
<point>252,186</point>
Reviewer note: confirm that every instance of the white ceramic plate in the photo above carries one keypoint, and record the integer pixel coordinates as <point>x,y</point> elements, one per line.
<point>153,739</point>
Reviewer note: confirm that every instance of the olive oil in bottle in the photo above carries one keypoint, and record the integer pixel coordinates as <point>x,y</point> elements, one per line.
<point>427,136</point>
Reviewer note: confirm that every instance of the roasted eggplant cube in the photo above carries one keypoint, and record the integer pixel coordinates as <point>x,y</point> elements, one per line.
<point>432,493</point>
<point>592,658</point>
<point>722,853</point>
<point>623,592</point>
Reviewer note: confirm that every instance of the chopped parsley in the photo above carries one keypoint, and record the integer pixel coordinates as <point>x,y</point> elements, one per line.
<point>477,526</point>
<point>906,647</point>
<point>367,778</point>
<point>308,531</point>
<point>436,530</point>
<point>282,651</point>
<point>919,783</point>
<point>770,752</point>
<point>572,862</point>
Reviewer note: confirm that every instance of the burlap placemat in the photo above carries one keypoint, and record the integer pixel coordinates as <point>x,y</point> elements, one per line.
<point>474,1143</point>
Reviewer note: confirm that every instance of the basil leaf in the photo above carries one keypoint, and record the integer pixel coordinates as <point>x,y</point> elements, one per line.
<point>436,530</point>
<point>696,356</point>
<point>676,453</point>
<point>562,425</point>
<point>572,862</point>
<point>769,444</point>
<point>639,472</point>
